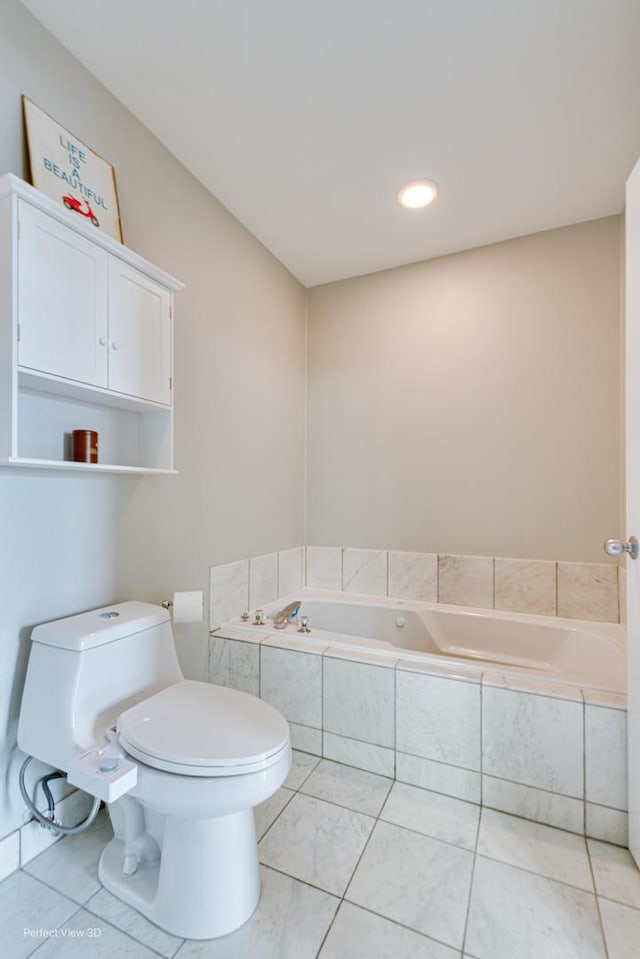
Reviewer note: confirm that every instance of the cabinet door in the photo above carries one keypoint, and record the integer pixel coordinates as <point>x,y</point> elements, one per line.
<point>62,300</point>
<point>139,335</point>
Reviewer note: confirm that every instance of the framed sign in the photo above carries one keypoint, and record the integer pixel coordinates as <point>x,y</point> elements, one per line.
<point>67,171</point>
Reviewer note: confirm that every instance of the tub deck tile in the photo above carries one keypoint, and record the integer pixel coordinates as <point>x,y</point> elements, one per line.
<point>460,671</point>
<point>519,682</point>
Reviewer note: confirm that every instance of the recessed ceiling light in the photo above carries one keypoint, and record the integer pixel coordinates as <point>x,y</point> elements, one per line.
<point>417,194</point>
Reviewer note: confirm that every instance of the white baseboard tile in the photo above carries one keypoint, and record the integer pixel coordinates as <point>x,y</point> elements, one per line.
<point>553,809</point>
<point>439,777</point>
<point>609,825</point>
<point>352,752</point>
<point>306,739</point>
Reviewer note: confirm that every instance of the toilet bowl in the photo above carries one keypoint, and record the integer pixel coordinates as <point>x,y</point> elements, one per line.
<point>184,851</point>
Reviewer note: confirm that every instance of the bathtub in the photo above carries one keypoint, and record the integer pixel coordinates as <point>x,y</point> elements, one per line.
<point>520,713</point>
<point>586,654</point>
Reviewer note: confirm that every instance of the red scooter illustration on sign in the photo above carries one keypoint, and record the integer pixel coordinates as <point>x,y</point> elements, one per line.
<point>76,205</point>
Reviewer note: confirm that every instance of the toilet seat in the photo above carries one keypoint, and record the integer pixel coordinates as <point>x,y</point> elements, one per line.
<point>198,729</point>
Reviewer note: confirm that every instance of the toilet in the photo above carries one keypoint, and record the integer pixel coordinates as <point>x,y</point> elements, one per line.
<point>184,851</point>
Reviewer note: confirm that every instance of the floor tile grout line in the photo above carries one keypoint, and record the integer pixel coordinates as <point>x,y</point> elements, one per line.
<point>619,902</point>
<point>340,805</point>
<point>394,922</point>
<point>536,822</point>
<point>439,762</point>
<point>377,818</point>
<point>122,932</point>
<point>473,873</point>
<point>532,872</point>
<point>338,762</point>
<point>303,882</point>
<point>584,767</point>
<point>353,872</point>
<point>44,882</point>
<point>271,824</point>
<point>389,822</point>
<point>426,835</point>
<point>468,909</point>
<point>447,842</point>
<point>482,750</point>
<point>343,898</point>
<point>349,902</point>
<point>322,671</point>
<point>291,797</point>
<point>59,926</point>
<point>454,845</point>
<point>597,898</point>
<point>135,938</point>
<point>388,780</point>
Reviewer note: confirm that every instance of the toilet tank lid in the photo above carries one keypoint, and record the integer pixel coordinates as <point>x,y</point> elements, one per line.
<point>99,626</point>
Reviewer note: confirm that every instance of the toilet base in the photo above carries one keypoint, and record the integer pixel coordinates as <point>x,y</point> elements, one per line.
<point>206,883</point>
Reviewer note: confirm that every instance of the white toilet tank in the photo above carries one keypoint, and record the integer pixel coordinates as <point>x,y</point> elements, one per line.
<point>85,670</point>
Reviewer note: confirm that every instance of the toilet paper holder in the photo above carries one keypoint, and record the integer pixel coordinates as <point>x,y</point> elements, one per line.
<point>186,606</point>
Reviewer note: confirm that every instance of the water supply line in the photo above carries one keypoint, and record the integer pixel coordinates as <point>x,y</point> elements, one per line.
<point>50,824</point>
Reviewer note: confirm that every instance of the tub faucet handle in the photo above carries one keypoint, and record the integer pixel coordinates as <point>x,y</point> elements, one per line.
<point>259,618</point>
<point>286,615</point>
<point>305,625</point>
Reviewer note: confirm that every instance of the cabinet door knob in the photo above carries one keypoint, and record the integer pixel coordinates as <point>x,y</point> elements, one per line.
<point>115,345</point>
<point>102,341</point>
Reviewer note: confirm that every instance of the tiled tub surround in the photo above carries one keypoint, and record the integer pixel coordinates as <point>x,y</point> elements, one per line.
<point>554,753</point>
<point>252,583</point>
<point>593,591</point>
<point>572,590</point>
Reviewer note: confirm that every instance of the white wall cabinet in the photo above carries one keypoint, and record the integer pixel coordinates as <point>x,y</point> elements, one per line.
<point>86,341</point>
<point>139,337</point>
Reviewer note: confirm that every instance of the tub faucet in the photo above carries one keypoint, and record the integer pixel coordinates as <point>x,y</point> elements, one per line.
<point>286,615</point>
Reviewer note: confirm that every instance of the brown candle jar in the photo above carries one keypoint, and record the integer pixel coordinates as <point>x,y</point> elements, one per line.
<point>85,446</point>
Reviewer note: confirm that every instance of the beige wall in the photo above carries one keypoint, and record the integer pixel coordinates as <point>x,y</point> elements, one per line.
<point>471,404</point>
<point>69,542</point>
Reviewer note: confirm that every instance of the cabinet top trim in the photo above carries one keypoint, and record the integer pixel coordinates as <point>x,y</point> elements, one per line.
<point>11,185</point>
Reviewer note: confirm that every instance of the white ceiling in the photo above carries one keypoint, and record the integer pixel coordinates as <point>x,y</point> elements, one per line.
<point>305,117</point>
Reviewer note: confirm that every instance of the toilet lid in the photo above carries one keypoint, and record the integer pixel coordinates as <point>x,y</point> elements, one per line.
<point>199,729</point>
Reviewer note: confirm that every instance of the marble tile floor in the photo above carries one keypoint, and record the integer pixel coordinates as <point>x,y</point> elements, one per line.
<point>356,866</point>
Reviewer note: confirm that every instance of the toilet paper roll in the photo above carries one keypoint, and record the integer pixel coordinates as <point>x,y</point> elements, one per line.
<point>187,606</point>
